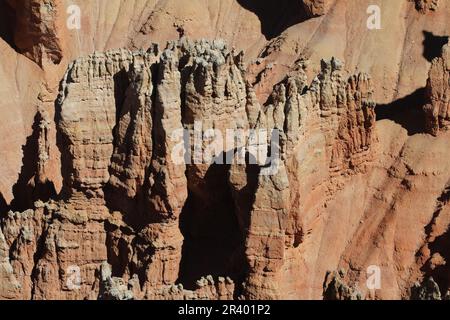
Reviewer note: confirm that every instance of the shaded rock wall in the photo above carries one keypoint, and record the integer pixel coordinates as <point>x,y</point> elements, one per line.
<point>438,92</point>
<point>116,113</point>
<point>130,222</point>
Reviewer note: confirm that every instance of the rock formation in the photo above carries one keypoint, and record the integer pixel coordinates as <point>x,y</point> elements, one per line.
<point>37,29</point>
<point>208,161</point>
<point>426,5</point>
<point>334,288</point>
<point>438,93</point>
<point>428,290</point>
<point>116,113</point>
<point>316,8</point>
<point>9,285</point>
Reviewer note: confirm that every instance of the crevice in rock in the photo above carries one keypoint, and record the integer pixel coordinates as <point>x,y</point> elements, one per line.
<point>28,189</point>
<point>116,200</point>
<point>407,111</point>
<point>119,262</point>
<point>63,143</point>
<point>185,72</point>
<point>441,273</point>
<point>144,257</point>
<point>134,210</point>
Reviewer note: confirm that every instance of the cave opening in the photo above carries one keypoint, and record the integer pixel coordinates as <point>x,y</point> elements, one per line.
<point>213,240</point>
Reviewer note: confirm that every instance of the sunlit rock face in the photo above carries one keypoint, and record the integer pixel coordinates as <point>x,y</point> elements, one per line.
<point>352,125</point>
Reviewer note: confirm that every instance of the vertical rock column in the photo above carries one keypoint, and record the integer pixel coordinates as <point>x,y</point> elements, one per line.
<point>265,242</point>
<point>167,181</point>
<point>437,110</point>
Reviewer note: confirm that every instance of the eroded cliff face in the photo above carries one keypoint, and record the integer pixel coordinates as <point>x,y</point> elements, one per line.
<point>316,8</point>
<point>123,194</point>
<point>426,5</point>
<point>118,199</point>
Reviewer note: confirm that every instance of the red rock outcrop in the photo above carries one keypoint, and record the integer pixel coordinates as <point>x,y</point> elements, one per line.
<point>46,245</point>
<point>115,120</point>
<point>101,207</point>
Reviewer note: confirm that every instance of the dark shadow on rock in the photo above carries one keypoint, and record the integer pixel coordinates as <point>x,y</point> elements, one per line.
<point>432,45</point>
<point>7,24</point>
<point>276,16</point>
<point>3,206</point>
<point>28,189</point>
<point>440,273</point>
<point>134,209</point>
<point>407,111</point>
<point>210,229</point>
<point>214,234</point>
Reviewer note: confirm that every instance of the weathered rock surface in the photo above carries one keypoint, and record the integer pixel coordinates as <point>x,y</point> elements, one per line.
<point>316,8</point>
<point>116,113</point>
<point>335,116</point>
<point>438,93</point>
<point>334,288</point>
<point>101,207</point>
<point>9,287</point>
<point>37,28</point>
<point>427,290</point>
<point>426,5</point>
